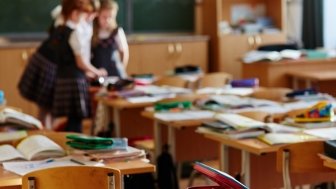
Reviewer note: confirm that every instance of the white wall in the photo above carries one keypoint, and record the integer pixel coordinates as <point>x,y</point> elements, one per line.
<point>294,20</point>
<point>329,24</point>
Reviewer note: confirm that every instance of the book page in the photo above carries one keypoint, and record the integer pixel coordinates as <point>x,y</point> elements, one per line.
<point>8,152</point>
<point>11,136</point>
<point>39,146</point>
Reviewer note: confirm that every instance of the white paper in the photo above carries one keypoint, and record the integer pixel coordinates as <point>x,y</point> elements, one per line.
<point>185,115</point>
<point>24,167</point>
<point>325,133</point>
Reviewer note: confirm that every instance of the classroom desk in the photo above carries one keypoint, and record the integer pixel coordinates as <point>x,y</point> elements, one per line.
<point>184,143</point>
<point>310,77</point>
<point>132,115</point>
<point>119,104</point>
<point>257,164</point>
<point>274,74</point>
<point>10,180</point>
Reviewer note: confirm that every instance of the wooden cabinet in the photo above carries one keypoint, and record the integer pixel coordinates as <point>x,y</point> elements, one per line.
<point>12,64</point>
<point>233,47</point>
<point>226,49</point>
<point>160,58</point>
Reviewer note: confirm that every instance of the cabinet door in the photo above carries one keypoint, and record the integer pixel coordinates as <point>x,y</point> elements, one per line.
<point>192,53</point>
<point>157,58</point>
<point>12,64</point>
<point>233,47</point>
<point>134,63</point>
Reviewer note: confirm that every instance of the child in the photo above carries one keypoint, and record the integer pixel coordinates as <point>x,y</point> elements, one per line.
<point>109,43</point>
<point>71,97</point>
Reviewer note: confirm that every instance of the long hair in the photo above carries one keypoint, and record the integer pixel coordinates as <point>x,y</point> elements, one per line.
<point>110,5</point>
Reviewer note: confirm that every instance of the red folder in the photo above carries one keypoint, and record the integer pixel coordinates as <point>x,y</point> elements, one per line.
<point>224,180</point>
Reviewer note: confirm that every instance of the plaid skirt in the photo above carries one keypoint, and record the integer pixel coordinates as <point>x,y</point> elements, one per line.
<point>38,80</point>
<point>71,98</point>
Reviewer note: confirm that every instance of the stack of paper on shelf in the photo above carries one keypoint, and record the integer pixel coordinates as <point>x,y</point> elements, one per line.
<point>184,115</point>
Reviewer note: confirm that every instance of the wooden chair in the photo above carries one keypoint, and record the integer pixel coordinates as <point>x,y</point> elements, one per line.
<point>271,93</point>
<point>70,177</point>
<point>216,79</point>
<point>174,81</point>
<point>300,158</point>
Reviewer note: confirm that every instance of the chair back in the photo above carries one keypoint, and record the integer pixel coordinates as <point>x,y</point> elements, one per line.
<point>271,93</point>
<point>70,177</point>
<point>300,158</point>
<point>216,79</point>
<point>174,81</point>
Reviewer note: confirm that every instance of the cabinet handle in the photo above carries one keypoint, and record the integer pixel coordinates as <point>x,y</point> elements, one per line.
<point>257,40</point>
<point>171,49</point>
<point>250,41</point>
<point>178,47</point>
<point>24,55</point>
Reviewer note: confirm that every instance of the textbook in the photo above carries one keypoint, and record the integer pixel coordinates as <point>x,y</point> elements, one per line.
<point>12,135</point>
<point>238,121</point>
<point>11,117</point>
<point>223,179</point>
<point>284,138</point>
<point>222,129</point>
<point>31,148</point>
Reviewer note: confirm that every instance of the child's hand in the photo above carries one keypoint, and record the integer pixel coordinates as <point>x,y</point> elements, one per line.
<point>102,72</point>
<point>90,75</point>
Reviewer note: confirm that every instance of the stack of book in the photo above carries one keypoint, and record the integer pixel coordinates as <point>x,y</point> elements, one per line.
<point>106,149</point>
<point>233,126</point>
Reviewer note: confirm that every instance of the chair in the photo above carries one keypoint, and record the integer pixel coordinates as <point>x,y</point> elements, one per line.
<point>300,158</point>
<point>174,81</point>
<point>271,93</point>
<point>70,177</point>
<point>216,79</point>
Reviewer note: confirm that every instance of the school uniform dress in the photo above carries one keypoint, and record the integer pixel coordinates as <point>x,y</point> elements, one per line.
<point>71,96</point>
<point>106,55</point>
<point>37,81</point>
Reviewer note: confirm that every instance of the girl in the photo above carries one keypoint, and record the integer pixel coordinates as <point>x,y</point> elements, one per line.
<point>71,88</point>
<point>109,44</point>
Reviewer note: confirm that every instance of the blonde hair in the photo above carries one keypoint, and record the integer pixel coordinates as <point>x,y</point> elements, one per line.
<point>104,5</point>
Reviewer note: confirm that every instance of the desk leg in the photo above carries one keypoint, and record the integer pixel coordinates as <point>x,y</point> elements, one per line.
<point>157,139</point>
<point>295,83</point>
<point>122,182</point>
<point>224,158</point>
<point>308,83</point>
<point>116,120</point>
<point>246,167</point>
<point>171,142</point>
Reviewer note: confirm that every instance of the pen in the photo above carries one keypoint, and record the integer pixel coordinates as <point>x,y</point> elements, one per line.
<point>76,161</point>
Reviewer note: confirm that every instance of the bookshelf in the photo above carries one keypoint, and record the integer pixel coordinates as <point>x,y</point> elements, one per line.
<point>226,49</point>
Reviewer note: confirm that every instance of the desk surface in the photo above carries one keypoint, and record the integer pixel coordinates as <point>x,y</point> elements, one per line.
<point>175,124</point>
<point>252,145</point>
<point>315,75</point>
<point>130,167</point>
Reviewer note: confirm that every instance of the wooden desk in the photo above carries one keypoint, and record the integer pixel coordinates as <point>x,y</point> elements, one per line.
<point>184,143</point>
<point>11,180</point>
<point>274,74</point>
<point>310,77</point>
<point>258,163</point>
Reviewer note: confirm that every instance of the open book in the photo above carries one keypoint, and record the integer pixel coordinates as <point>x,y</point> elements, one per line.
<point>9,116</point>
<point>31,148</point>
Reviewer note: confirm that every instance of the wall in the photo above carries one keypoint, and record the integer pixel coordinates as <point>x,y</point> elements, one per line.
<point>294,21</point>
<point>329,24</point>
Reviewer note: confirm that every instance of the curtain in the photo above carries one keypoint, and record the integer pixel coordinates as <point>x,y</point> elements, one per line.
<point>312,27</point>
